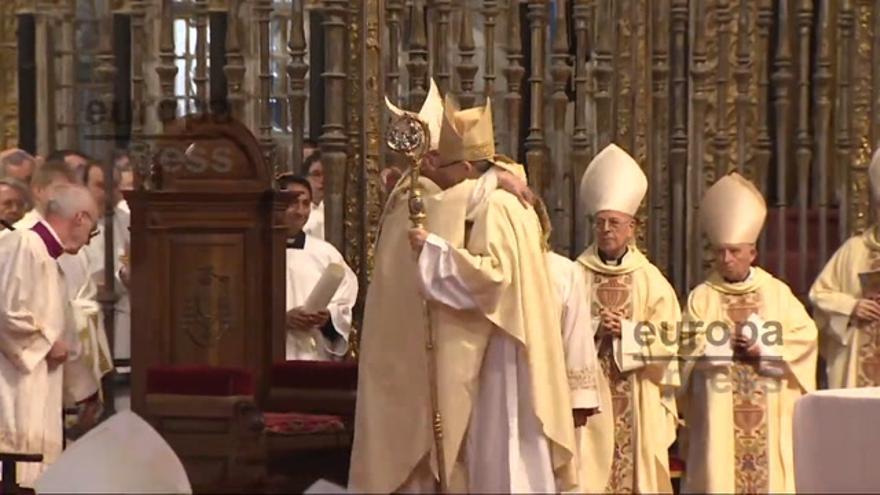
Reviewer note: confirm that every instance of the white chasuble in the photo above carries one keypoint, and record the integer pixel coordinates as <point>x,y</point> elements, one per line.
<point>851,348</point>
<point>738,415</point>
<point>307,259</point>
<point>627,444</point>
<point>34,314</point>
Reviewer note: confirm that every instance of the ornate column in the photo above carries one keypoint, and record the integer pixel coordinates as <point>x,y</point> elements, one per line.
<point>782,78</point>
<point>804,154</point>
<point>263,11</point>
<point>581,139</point>
<point>822,122</point>
<point>297,69</point>
<point>235,67</point>
<point>514,73</point>
<point>333,139</point>
<point>562,189</point>
<point>201,76</point>
<point>106,72</point>
<point>392,77</point>
<point>442,10</point>
<point>418,56</point>
<point>466,68</point>
<point>536,159</point>
<point>678,140</point>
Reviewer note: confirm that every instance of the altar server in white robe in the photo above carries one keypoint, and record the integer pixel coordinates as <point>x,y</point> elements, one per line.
<point>36,326</point>
<point>321,335</point>
<point>93,178</point>
<point>578,334</point>
<point>501,379</point>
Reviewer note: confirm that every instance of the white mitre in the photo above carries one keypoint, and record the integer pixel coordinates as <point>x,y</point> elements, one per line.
<point>874,175</point>
<point>733,211</point>
<point>121,455</point>
<point>613,181</point>
<point>431,113</point>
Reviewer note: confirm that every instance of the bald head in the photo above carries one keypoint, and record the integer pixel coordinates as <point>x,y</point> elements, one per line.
<point>72,212</point>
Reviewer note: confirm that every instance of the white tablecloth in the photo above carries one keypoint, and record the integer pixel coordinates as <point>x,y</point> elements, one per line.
<point>836,441</point>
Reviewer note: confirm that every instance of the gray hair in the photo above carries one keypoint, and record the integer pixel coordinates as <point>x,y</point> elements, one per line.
<point>22,189</point>
<point>66,200</point>
<point>13,157</point>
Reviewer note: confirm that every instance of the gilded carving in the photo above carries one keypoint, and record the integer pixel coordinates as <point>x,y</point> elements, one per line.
<point>8,75</point>
<point>861,114</point>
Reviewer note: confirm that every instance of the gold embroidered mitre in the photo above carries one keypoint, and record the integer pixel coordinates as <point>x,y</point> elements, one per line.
<point>733,211</point>
<point>613,181</point>
<point>431,112</point>
<point>466,135</point>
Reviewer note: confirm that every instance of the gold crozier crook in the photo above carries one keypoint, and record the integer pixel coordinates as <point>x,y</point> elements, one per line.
<point>410,136</point>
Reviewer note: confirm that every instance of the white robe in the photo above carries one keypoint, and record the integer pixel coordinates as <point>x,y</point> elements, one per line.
<point>315,224</point>
<point>34,314</point>
<point>95,253</point>
<point>83,370</point>
<point>304,268</point>
<point>503,456</point>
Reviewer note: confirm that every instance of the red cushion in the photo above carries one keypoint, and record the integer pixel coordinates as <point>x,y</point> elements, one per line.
<point>302,424</point>
<point>334,375</point>
<point>199,380</point>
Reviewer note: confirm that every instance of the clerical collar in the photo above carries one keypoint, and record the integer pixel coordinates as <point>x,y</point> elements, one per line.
<point>612,262</point>
<point>298,241</point>
<point>49,238</point>
<point>747,279</point>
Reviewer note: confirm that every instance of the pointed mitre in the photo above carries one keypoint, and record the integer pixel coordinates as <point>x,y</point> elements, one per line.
<point>431,112</point>
<point>103,461</point>
<point>466,135</point>
<point>733,211</point>
<point>874,174</point>
<point>613,181</point>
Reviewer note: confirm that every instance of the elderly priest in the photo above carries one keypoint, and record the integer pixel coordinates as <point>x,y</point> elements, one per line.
<point>635,311</point>
<point>36,325</point>
<point>750,353</point>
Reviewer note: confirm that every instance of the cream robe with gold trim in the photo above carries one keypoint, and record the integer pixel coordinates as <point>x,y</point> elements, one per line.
<point>738,434</point>
<point>650,410</point>
<point>507,278</point>
<point>843,345</point>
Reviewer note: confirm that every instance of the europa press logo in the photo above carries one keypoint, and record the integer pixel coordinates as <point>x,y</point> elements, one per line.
<point>159,150</point>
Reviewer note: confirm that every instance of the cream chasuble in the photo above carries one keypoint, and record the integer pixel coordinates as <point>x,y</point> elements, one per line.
<point>34,314</point>
<point>307,259</point>
<point>851,349</point>
<point>738,435</point>
<point>503,276</point>
<point>627,444</point>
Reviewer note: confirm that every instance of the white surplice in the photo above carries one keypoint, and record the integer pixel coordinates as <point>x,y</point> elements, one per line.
<point>305,264</point>
<point>505,447</point>
<point>89,349</point>
<point>34,314</point>
<point>315,224</point>
<point>96,257</point>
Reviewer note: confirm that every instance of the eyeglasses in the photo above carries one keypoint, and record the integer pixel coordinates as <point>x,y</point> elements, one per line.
<point>611,223</point>
<point>95,230</point>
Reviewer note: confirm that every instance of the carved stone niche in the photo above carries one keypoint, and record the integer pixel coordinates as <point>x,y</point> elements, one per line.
<point>207,255</point>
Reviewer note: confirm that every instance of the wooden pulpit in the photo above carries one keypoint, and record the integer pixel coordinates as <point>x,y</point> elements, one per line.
<point>207,256</point>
